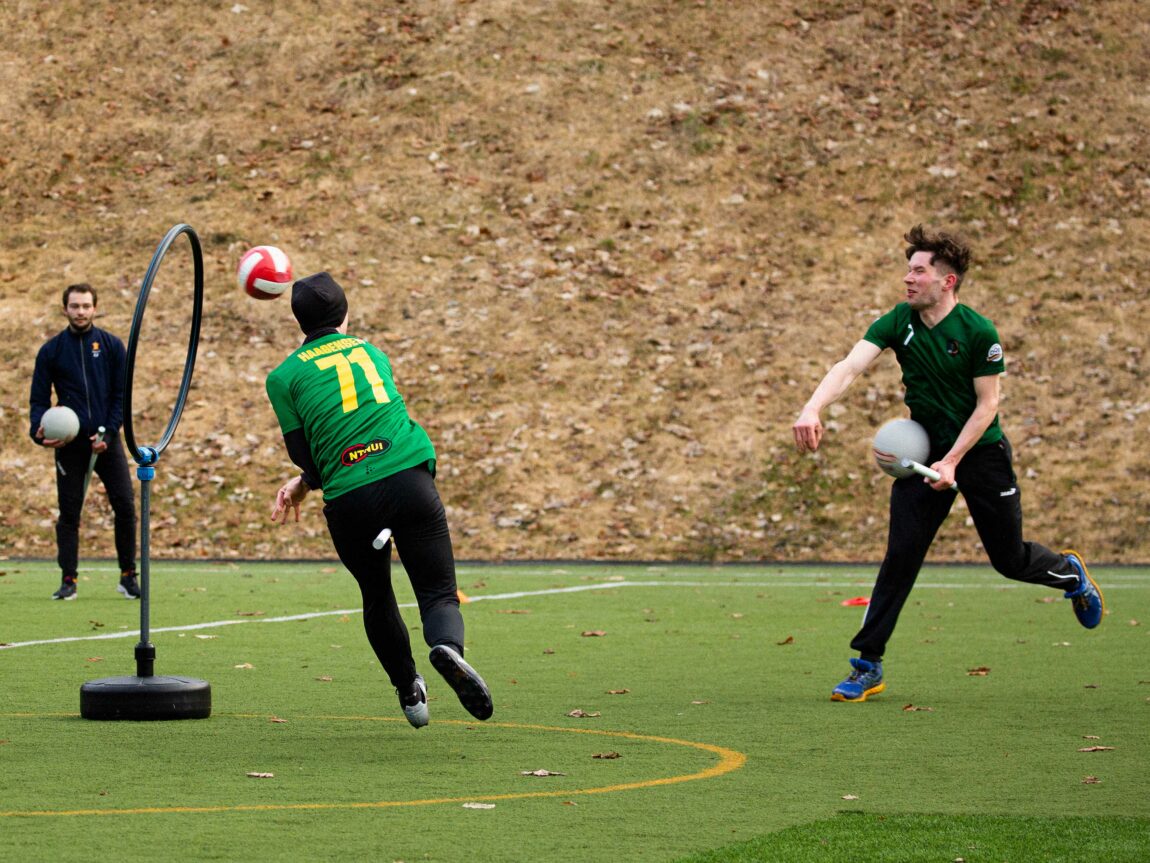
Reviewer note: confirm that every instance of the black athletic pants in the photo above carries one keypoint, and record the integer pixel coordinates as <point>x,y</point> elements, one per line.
<point>112,469</point>
<point>407,503</point>
<point>988,484</point>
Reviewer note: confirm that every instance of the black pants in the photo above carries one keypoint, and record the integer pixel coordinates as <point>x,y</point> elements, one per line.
<point>112,469</point>
<point>988,484</point>
<point>407,503</point>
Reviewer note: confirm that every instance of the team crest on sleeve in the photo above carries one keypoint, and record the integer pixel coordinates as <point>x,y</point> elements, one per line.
<point>994,354</point>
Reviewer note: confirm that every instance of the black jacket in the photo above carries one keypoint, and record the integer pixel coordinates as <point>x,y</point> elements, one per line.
<point>87,370</point>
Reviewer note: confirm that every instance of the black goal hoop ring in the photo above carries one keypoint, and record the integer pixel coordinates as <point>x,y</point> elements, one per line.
<point>148,455</point>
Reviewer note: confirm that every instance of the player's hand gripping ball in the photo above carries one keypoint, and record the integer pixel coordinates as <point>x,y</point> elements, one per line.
<point>899,439</point>
<point>60,423</point>
<point>264,272</point>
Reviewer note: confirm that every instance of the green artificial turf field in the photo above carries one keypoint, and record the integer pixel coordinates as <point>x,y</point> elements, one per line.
<point>682,712</point>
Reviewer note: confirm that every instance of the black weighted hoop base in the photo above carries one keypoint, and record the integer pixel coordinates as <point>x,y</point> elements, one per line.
<point>146,698</point>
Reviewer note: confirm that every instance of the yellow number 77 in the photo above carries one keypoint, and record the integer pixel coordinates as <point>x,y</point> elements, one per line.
<point>342,365</point>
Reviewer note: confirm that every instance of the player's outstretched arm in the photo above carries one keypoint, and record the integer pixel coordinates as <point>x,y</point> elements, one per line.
<point>808,428</point>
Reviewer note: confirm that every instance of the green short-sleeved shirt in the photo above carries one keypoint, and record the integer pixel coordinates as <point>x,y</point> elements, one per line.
<point>340,391</point>
<point>939,366</point>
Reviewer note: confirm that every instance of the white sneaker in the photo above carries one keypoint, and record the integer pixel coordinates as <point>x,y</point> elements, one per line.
<point>416,711</point>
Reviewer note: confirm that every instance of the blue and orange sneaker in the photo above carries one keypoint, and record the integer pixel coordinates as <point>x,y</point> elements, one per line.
<point>1086,599</point>
<point>864,680</point>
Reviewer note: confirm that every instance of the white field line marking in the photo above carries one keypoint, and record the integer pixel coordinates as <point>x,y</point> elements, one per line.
<point>520,594</point>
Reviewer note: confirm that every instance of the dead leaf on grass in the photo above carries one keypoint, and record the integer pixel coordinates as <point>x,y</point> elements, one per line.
<point>700,702</point>
<point>607,756</point>
<point>548,651</point>
<point>850,797</point>
<point>790,639</point>
<point>206,637</point>
<point>915,707</point>
<point>1091,737</point>
<point>244,665</point>
<point>262,775</point>
<point>95,659</point>
<point>1096,749</point>
<point>276,719</point>
<point>594,633</point>
<point>540,773</point>
<point>325,678</point>
<point>618,691</point>
<point>579,713</point>
<point>1091,780</point>
<point>981,671</point>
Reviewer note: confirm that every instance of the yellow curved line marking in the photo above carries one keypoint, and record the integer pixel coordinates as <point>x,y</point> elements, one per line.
<point>729,760</point>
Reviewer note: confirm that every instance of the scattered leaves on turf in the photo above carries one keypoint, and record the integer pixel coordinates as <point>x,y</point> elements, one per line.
<point>478,805</point>
<point>790,639</point>
<point>914,707</point>
<point>579,713</point>
<point>1091,780</point>
<point>593,633</point>
<point>540,773</point>
<point>1096,749</point>
<point>981,671</point>
<point>607,756</point>
<point>244,665</point>
<point>262,775</point>
<point>618,691</point>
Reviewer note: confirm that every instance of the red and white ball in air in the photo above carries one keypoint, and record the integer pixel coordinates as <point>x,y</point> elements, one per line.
<point>264,272</point>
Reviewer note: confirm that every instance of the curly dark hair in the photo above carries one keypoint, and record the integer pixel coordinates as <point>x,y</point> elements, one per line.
<point>946,249</point>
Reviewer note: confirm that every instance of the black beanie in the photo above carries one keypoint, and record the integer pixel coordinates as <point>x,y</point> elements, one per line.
<point>317,302</point>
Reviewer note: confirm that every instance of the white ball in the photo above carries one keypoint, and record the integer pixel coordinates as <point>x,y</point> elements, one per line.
<point>60,423</point>
<point>264,272</point>
<point>899,439</point>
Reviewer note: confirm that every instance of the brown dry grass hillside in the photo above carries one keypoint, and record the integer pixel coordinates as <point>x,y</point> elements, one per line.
<point>609,246</point>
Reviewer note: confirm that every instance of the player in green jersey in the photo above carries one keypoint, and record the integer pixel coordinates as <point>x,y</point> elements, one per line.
<point>346,427</point>
<point>951,360</point>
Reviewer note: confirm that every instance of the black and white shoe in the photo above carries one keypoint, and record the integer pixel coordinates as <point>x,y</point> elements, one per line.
<point>414,704</point>
<point>464,680</point>
<point>67,590</point>
<point>128,586</point>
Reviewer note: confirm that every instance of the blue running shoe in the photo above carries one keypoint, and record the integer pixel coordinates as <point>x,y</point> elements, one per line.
<point>864,680</point>
<point>1086,598</point>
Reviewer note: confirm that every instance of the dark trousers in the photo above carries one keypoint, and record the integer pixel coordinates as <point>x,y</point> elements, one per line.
<point>112,469</point>
<point>407,503</point>
<point>988,484</point>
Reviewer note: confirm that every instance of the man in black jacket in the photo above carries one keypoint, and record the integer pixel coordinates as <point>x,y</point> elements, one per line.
<point>85,365</point>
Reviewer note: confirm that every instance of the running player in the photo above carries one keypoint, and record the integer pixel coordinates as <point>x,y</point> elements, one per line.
<point>346,427</point>
<point>951,360</point>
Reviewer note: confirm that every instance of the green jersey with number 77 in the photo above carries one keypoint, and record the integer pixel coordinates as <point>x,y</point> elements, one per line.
<point>339,390</point>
